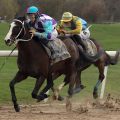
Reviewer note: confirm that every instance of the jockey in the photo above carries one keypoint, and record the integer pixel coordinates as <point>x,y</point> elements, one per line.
<point>74,26</point>
<point>43,25</point>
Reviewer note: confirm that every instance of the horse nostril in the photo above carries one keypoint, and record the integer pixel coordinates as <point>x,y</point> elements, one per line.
<point>7,41</point>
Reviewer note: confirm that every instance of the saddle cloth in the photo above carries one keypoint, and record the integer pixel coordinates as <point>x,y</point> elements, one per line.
<point>91,47</point>
<point>57,51</point>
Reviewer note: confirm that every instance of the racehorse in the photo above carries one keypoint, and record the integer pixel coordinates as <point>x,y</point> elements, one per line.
<point>33,61</point>
<point>104,59</point>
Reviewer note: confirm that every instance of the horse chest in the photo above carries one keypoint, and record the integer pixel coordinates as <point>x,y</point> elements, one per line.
<point>32,65</point>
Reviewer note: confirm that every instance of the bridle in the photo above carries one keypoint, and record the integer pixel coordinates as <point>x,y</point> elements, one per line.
<point>22,29</point>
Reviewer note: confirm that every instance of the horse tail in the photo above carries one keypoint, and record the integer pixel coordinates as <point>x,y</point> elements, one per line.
<point>92,58</point>
<point>113,60</point>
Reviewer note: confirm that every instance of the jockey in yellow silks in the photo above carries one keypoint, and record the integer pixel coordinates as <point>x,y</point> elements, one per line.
<point>74,27</point>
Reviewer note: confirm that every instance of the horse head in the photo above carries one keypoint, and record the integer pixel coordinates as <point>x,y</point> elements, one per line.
<point>18,30</point>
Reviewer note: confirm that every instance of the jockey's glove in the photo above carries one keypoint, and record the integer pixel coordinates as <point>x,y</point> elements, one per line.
<point>32,31</point>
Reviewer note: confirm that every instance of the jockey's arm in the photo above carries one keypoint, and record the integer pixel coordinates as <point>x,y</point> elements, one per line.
<point>48,27</point>
<point>78,28</point>
<point>59,27</point>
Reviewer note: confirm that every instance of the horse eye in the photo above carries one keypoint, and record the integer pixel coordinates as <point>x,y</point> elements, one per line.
<point>17,28</point>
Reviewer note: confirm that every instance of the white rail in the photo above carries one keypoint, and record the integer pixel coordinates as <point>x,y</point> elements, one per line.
<point>4,53</point>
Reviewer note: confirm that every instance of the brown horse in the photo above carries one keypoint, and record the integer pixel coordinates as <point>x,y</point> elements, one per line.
<point>31,64</point>
<point>103,60</point>
<point>33,61</point>
<point>100,62</point>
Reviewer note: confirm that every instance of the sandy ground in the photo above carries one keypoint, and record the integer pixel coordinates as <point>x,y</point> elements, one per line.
<point>104,110</point>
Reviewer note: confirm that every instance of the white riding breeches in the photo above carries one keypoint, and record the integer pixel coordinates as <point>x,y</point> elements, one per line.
<point>85,34</point>
<point>54,34</point>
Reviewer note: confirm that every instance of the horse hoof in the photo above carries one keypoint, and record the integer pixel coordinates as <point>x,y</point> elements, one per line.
<point>95,95</point>
<point>70,92</point>
<point>82,86</point>
<point>34,96</point>
<point>17,108</point>
<point>77,90</point>
<point>60,98</point>
<point>41,97</point>
<point>54,97</point>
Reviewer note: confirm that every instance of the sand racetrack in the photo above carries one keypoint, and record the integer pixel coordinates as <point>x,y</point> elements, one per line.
<point>107,110</point>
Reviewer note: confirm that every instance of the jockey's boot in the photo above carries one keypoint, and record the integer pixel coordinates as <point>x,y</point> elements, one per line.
<point>79,42</point>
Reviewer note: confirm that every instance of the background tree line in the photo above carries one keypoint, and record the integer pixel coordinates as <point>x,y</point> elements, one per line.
<point>91,10</point>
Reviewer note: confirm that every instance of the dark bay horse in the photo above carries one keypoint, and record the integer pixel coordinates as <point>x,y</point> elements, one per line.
<point>33,61</point>
<point>104,59</point>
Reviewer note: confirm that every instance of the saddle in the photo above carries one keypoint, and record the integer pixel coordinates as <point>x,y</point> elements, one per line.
<point>56,51</point>
<point>91,54</point>
<point>91,48</point>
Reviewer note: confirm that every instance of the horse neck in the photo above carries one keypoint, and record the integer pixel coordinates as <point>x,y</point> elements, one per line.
<point>25,46</point>
<point>31,49</point>
<point>25,49</point>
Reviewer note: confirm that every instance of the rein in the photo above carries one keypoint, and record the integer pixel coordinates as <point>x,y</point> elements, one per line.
<point>6,58</point>
<point>23,28</point>
<point>17,40</point>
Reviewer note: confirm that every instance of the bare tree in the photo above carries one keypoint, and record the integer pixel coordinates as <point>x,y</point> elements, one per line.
<point>8,8</point>
<point>92,10</point>
<point>95,11</point>
<point>113,7</point>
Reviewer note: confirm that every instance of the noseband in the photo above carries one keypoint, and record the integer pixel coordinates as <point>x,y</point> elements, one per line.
<point>22,29</point>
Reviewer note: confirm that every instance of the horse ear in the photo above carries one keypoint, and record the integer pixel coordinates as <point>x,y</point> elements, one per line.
<point>22,18</point>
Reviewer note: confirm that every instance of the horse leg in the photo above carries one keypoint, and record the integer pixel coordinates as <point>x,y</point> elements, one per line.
<point>100,66</point>
<point>38,84</point>
<point>56,92</point>
<point>19,77</point>
<point>78,85</point>
<point>49,85</point>
<point>56,95</point>
<point>72,78</point>
<point>65,82</point>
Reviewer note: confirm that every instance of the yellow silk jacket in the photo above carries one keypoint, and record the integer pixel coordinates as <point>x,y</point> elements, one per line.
<point>72,27</point>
